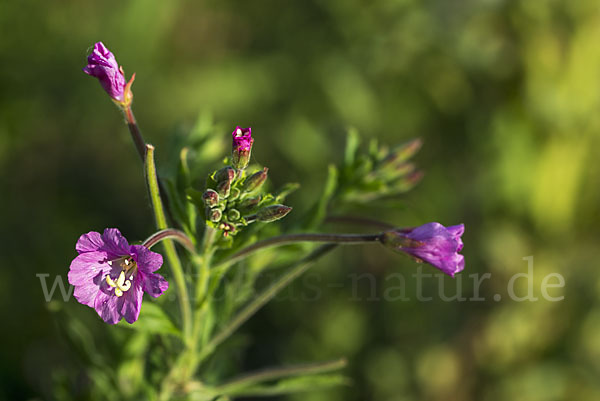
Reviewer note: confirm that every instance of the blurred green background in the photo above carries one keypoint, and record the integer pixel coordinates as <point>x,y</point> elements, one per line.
<point>506,95</point>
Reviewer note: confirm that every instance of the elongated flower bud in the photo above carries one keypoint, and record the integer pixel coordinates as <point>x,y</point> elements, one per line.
<point>249,203</point>
<point>271,213</point>
<point>242,147</point>
<point>432,243</point>
<point>103,65</point>
<point>225,174</point>
<point>223,188</point>
<point>407,150</point>
<point>256,180</point>
<point>210,197</point>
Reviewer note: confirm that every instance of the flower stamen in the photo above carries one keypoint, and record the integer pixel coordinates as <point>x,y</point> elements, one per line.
<point>121,286</point>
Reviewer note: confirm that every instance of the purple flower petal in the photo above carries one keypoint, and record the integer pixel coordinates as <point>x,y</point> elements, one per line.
<point>89,242</point>
<point>132,300</point>
<point>155,284</point>
<point>147,261</point>
<point>85,274</point>
<point>103,65</point>
<point>115,244</point>
<point>242,138</point>
<point>111,276</point>
<point>108,307</point>
<point>241,147</point>
<point>432,243</point>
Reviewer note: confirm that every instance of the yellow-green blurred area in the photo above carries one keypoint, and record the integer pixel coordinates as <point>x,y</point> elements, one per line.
<point>505,94</point>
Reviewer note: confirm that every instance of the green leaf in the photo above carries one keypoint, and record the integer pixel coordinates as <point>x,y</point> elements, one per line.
<point>352,143</point>
<point>293,385</point>
<point>320,210</point>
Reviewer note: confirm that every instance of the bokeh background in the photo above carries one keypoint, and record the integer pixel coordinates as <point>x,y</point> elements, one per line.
<point>506,95</point>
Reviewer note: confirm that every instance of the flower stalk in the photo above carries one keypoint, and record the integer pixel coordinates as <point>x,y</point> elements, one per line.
<point>136,134</point>
<point>170,251</point>
<point>340,239</point>
<point>170,234</point>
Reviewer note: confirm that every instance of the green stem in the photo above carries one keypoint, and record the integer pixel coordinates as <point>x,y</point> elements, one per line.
<point>170,233</point>
<point>140,146</point>
<point>295,270</point>
<point>170,251</point>
<point>266,375</point>
<point>201,305</point>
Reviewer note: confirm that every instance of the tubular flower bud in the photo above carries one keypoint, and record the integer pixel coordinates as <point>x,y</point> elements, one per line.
<point>432,243</point>
<point>242,147</point>
<point>256,180</point>
<point>103,65</point>
<point>223,188</point>
<point>225,174</point>
<point>271,213</point>
<point>249,203</point>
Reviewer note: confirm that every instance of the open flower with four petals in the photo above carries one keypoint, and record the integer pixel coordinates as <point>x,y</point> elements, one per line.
<point>111,276</point>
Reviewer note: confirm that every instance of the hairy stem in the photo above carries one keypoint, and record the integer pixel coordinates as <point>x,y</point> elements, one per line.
<point>170,233</point>
<point>170,251</point>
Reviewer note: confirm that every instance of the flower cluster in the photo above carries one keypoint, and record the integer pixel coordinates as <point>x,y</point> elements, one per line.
<point>232,198</point>
<point>111,276</point>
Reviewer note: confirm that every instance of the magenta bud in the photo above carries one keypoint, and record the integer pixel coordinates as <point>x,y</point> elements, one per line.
<point>271,213</point>
<point>210,197</point>
<point>103,65</point>
<point>432,243</point>
<point>242,147</point>
<point>255,181</point>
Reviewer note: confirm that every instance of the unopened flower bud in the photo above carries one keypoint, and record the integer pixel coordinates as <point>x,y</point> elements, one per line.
<point>103,65</point>
<point>214,215</point>
<point>255,180</point>
<point>233,215</point>
<point>223,188</point>
<point>271,213</point>
<point>242,147</point>
<point>408,182</point>
<point>432,243</point>
<point>409,149</point>
<point>210,197</point>
<point>249,203</point>
<point>225,174</point>
<point>234,194</point>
